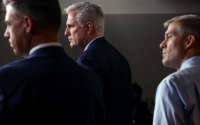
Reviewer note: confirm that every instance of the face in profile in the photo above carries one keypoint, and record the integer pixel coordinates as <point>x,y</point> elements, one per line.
<point>75,32</point>
<point>15,31</point>
<point>172,46</point>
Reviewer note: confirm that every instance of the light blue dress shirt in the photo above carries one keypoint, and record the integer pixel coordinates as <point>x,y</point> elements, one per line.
<point>178,96</point>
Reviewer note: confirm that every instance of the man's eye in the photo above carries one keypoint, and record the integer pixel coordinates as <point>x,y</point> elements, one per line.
<point>168,36</point>
<point>69,26</point>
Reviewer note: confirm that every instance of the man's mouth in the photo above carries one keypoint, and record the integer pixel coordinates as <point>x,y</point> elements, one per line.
<point>11,45</point>
<point>69,39</point>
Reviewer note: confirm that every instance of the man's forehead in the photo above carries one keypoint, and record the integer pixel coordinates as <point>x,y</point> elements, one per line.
<point>72,14</point>
<point>71,18</point>
<point>172,27</point>
<point>9,11</point>
<point>11,14</point>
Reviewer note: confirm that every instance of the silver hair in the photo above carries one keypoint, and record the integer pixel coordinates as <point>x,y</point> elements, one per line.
<point>190,25</point>
<point>88,12</point>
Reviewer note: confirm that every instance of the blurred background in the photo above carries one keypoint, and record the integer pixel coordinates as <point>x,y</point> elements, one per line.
<point>135,28</point>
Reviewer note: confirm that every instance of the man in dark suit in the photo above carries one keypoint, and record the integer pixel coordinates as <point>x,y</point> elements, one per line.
<point>46,85</point>
<point>85,30</point>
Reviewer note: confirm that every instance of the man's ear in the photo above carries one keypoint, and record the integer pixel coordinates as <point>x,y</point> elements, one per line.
<point>190,41</point>
<point>28,23</point>
<point>90,26</point>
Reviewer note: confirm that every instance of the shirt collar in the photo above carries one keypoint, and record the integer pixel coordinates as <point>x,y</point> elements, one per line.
<point>43,45</point>
<point>195,60</point>
<point>86,47</point>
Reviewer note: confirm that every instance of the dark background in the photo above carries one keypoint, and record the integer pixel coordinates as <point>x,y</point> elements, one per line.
<point>135,28</point>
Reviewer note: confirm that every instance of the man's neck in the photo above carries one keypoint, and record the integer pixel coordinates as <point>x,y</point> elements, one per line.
<point>190,53</point>
<point>44,37</point>
<point>90,40</point>
<point>41,38</point>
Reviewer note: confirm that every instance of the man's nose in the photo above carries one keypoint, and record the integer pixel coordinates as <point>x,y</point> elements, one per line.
<point>163,44</point>
<point>6,33</point>
<point>67,32</point>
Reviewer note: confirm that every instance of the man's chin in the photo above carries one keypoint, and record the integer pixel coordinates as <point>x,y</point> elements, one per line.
<point>164,62</point>
<point>15,52</point>
<point>72,46</point>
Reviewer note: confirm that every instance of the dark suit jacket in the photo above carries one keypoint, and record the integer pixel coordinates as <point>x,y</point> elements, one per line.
<point>113,69</point>
<point>49,86</point>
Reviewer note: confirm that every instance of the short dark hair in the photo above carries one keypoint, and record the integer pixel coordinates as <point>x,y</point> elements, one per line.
<point>46,13</point>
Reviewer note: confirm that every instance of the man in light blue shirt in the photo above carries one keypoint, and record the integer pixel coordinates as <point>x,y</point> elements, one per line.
<point>178,95</point>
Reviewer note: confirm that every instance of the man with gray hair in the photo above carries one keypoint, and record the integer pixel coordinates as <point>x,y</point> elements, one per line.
<point>85,30</point>
<point>178,95</point>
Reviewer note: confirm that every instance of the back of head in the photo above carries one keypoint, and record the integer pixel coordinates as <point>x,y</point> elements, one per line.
<point>137,90</point>
<point>136,93</point>
<point>45,13</point>
<point>190,25</point>
<point>88,12</point>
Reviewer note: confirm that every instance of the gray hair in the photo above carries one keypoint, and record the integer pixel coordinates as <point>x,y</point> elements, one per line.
<point>190,25</point>
<point>88,12</point>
